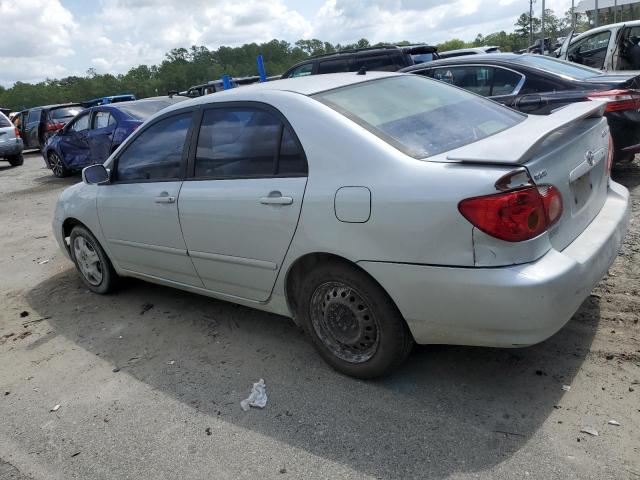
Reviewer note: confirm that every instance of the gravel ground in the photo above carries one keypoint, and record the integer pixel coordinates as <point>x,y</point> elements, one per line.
<point>149,380</point>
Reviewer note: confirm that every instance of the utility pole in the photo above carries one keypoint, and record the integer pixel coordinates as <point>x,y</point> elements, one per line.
<point>531,22</point>
<point>542,28</point>
<point>596,19</point>
<point>573,15</point>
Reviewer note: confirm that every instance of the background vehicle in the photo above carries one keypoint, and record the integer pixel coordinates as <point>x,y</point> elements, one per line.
<point>363,206</point>
<point>39,123</point>
<point>386,58</point>
<point>217,85</point>
<point>95,133</point>
<point>10,142</point>
<point>5,111</point>
<point>107,100</point>
<point>604,48</point>
<point>468,51</point>
<point>540,85</point>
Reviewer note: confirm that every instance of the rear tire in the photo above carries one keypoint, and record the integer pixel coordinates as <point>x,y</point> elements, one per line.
<point>57,165</point>
<point>95,268</point>
<point>353,323</point>
<point>16,160</point>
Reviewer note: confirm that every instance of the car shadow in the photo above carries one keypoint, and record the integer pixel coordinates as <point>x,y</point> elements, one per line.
<point>449,409</point>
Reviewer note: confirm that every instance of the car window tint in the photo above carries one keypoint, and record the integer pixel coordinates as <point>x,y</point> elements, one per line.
<point>63,113</point>
<point>291,160</point>
<point>34,116</point>
<point>504,81</point>
<point>4,121</point>
<point>333,66</point>
<point>474,79</point>
<point>419,116</point>
<point>237,142</point>
<point>156,154</point>
<point>80,124</point>
<point>102,120</point>
<point>377,62</point>
<point>302,70</point>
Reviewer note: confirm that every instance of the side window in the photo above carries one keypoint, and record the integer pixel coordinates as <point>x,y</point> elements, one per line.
<point>504,81</point>
<point>377,62</point>
<point>302,70</point>
<point>245,142</point>
<point>156,154</point>
<point>590,51</point>
<point>102,120</point>
<point>474,79</point>
<point>80,124</point>
<point>34,116</point>
<point>334,66</point>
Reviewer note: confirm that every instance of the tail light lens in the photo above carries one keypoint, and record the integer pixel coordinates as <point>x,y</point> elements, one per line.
<point>516,215</point>
<point>617,100</point>
<point>610,156</point>
<point>54,127</point>
<point>17,132</point>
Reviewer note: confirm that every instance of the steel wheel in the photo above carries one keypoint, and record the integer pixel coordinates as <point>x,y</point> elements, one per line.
<point>88,260</point>
<point>344,322</point>
<point>57,167</point>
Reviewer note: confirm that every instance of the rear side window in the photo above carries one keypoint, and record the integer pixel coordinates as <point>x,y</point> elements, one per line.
<point>103,120</point>
<point>4,121</point>
<point>34,116</point>
<point>333,66</point>
<point>475,79</point>
<point>504,82</point>
<point>301,71</point>
<point>246,142</point>
<point>62,113</point>
<point>156,154</point>
<point>418,116</point>
<point>379,62</point>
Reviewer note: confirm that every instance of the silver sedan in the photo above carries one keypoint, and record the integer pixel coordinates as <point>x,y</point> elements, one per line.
<point>376,210</point>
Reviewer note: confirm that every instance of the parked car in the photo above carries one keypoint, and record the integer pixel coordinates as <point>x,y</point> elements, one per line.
<point>39,123</point>
<point>468,51</point>
<point>127,97</point>
<point>10,142</point>
<point>386,58</point>
<point>363,206</point>
<point>604,48</point>
<point>97,132</point>
<point>218,85</point>
<point>540,85</point>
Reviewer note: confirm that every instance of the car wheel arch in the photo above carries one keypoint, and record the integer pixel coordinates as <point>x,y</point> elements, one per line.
<point>68,225</point>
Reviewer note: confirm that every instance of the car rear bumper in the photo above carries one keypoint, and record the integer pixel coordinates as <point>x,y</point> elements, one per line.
<point>507,306</point>
<point>12,147</point>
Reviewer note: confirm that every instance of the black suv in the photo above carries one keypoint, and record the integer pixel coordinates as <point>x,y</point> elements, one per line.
<point>37,124</point>
<point>387,58</point>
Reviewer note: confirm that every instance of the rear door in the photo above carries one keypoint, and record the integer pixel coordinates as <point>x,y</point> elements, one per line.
<point>138,210</point>
<point>103,126</point>
<point>240,206</point>
<point>32,128</point>
<point>74,142</point>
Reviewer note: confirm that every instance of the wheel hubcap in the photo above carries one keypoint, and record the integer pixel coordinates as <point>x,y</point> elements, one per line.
<point>344,322</point>
<point>56,164</point>
<point>87,260</point>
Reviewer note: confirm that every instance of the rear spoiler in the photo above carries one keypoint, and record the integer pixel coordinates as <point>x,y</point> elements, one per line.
<point>516,145</point>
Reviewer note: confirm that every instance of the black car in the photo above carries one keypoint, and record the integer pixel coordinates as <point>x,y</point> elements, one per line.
<point>37,124</point>
<point>539,85</point>
<point>386,58</point>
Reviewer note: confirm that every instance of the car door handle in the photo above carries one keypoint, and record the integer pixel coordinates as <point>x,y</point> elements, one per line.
<point>276,200</point>
<point>165,199</point>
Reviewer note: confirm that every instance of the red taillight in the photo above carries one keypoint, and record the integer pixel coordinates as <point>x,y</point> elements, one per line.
<point>17,132</point>
<point>617,100</point>
<point>54,127</point>
<point>516,215</point>
<point>610,156</point>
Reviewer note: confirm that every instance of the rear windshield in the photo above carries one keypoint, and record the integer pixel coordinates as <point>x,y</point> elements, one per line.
<point>143,109</point>
<point>558,67</point>
<point>4,121</point>
<point>65,112</point>
<point>419,116</point>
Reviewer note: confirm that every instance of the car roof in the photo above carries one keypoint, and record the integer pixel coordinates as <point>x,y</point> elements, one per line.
<point>51,107</point>
<point>632,23</point>
<point>483,58</point>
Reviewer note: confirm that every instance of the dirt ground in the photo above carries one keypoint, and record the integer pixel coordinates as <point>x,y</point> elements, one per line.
<point>149,380</point>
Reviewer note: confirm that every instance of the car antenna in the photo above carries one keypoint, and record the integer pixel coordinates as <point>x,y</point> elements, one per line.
<point>362,71</point>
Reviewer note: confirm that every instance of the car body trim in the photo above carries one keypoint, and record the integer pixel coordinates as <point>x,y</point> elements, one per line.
<point>148,246</point>
<point>251,262</point>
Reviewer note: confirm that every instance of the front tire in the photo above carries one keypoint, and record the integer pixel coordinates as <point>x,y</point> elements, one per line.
<point>92,262</point>
<point>57,165</point>
<point>353,323</point>
<point>16,160</point>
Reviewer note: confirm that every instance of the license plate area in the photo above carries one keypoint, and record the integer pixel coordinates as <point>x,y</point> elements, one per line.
<point>581,191</point>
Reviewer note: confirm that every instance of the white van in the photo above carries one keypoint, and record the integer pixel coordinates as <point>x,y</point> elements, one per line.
<point>603,48</point>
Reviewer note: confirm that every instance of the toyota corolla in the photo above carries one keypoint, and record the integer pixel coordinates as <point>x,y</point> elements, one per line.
<point>377,210</point>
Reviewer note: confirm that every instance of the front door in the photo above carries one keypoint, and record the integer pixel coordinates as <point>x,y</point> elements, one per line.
<point>240,206</point>
<point>103,125</point>
<point>138,210</point>
<point>74,142</point>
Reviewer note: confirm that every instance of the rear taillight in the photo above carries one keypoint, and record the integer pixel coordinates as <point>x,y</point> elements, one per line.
<point>617,100</point>
<point>610,155</point>
<point>54,127</point>
<point>17,132</point>
<point>516,215</point>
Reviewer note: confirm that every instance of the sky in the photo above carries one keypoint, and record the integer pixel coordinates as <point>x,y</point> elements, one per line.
<point>57,38</point>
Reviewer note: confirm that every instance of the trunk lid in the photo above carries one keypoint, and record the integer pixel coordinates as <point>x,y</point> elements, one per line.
<point>567,149</point>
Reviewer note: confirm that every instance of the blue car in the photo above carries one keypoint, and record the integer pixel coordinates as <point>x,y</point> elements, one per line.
<point>96,132</point>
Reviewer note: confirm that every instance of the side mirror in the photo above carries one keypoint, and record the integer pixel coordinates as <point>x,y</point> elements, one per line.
<point>95,175</point>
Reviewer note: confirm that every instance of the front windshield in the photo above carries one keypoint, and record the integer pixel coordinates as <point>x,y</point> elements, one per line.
<point>419,116</point>
<point>558,67</point>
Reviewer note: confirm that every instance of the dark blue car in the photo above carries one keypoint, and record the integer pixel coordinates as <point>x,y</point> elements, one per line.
<point>96,132</point>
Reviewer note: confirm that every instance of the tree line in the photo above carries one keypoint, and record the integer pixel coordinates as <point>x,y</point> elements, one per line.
<point>184,67</point>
